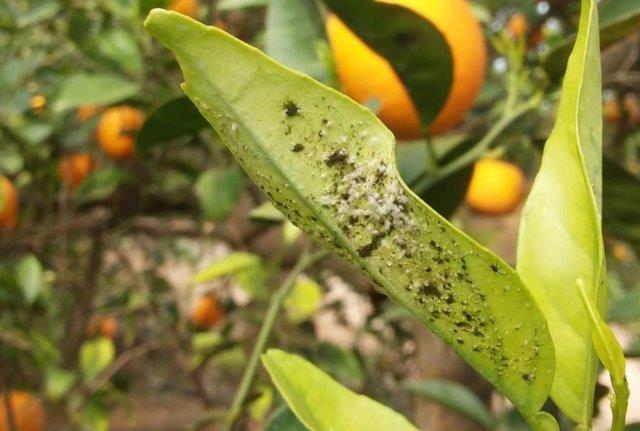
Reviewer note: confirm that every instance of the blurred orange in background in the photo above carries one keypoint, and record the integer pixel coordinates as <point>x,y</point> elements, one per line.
<point>26,411</point>
<point>117,130</point>
<point>8,204</point>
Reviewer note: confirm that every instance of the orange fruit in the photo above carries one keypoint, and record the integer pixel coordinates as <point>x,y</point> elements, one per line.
<point>207,312</point>
<point>117,130</point>
<point>185,7</point>
<point>74,168</point>
<point>27,412</point>
<point>37,103</point>
<point>104,326</point>
<point>517,26</point>
<point>496,187</point>
<point>8,204</point>
<point>632,107</point>
<point>611,111</point>
<point>85,112</point>
<point>364,75</point>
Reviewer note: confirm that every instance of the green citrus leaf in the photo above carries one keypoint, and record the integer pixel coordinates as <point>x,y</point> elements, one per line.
<point>174,119</point>
<point>293,31</point>
<point>456,397</point>
<point>321,403</point>
<point>329,165</point>
<point>560,234</point>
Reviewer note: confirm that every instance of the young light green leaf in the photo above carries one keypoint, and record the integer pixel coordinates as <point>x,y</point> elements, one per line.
<point>303,300</point>
<point>95,356</point>
<point>267,213</point>
<point>560,234</point>
<point>329,165</point>
<point>321,403</point>
<point>293,30</point>
<point>611,355</point>
<point>231,264</point>
<point>58,381</point>
<point>92,89</point>
<point>29,274</point>
<point>456,397</point>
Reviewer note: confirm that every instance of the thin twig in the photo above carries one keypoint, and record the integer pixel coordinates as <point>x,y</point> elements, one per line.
<point>265,331</point>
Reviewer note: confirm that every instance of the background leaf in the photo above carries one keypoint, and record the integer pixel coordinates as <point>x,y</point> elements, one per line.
<point>30,277</point>
<point>95,356</point>
<point>218,192</point>
<point>294,30</point>
<point>92,89</point>
<point>456,397</point>
<point>321,403</point>
<point>176,118</point>
<point>283,419</point>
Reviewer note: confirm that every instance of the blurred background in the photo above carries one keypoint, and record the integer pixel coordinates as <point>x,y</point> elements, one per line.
<point>137,260</point>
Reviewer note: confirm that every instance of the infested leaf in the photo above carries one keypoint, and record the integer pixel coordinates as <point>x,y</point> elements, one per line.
<point>329,165</point>
<point>560,233</point>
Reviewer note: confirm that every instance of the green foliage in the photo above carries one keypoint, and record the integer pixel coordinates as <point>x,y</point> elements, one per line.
<point>560,235</point>
<point>29,273</point>
<point>218,192</point>
<point>294,34</point>
<point>174,119</point>
<point>283,419</point>
<point>92,89</point>
<point>321,403</point>
<point>262,110</point>
<point>95,356</point>
<point>456,397</point>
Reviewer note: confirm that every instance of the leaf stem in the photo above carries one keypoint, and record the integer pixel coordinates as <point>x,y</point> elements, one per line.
<point>265,331</point>
<point>506,119</point>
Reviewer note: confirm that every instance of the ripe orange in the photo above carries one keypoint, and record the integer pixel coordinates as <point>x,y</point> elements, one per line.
<point>105,326</point>
<point>611,111</point>
<point>27,411</point>
<point>496,187</point>
<point>517,26</point>
<point>8,204</point>
<point>207,312</point>
<point>37,103</point>
<point>74,168</point>
<point>365,75</point>
<point>186,7</point>
<point>117,130</point>
<point>85,112</point>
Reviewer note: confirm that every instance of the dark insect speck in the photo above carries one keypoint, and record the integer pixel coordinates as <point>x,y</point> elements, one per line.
<point>528,377</point>
<point>335,157</point>
<point>296,148</point>
<point>291,109</point>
